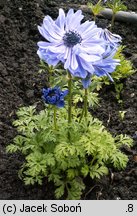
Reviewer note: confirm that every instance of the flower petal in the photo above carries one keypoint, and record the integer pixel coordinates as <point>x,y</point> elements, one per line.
<point>60,21</point>
<point>74,63</point>
<point>87,66</point>
<point>73,19</point>
<point>68,60</point>
<point>85,26</point>
<point>53,30</point>
<point>86,82</point>
<point>60,104</point>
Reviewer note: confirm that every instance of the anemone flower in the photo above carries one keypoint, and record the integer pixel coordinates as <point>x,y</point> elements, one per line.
<point>103,67</point>
<point>112,39</point>
<point>107,64</point>
<point>54,96</point>
<point>76,45</point>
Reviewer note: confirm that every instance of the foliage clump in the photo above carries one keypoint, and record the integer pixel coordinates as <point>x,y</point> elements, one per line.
<point>65,160</point>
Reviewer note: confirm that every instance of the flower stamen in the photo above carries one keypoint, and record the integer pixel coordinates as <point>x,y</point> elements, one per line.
<point>71,38</point>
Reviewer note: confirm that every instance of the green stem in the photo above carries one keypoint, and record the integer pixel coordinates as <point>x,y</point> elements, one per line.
<point>85,109</point>
<point>81,115</point>
<point>69,97</point>
<point>55,117</point>
<point>112,21</point>
<point>85,103</point>
<point>93,161</point>
<point>69,103</point>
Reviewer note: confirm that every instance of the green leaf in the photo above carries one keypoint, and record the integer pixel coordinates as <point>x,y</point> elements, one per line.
<point>77,98</point>
<point>49,159</point>
<point>29,181</point>
<point>96,9</point>
<point>11,148</point>
<point>123,140</point>
<point>85,170</point>
<point>75,189</point>
<point>119,160</point>
<point>59,191</point>
<point>93,99</point>
<point>97,172</point>
<point>72,173</point>
<point>116,5</point>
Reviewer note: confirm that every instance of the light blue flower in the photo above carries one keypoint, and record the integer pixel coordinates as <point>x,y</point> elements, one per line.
<point>54,96</point>
<point>107,64</point>
<point>103,67</point>
<point>76,45</point>
<point>111,39</point>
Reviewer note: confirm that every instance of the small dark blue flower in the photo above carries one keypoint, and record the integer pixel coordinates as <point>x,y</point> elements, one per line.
<point>54,96</point>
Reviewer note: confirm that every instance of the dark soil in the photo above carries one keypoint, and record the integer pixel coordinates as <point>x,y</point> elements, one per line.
<point>20,85</point>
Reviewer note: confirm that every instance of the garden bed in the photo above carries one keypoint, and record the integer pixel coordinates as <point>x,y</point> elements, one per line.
<point>20,85</point>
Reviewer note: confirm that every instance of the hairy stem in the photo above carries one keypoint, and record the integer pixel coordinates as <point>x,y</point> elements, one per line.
<point>69,97</point>
<point>55,117</point>
<point>69,102</point>
<point>85,109</point>
<point>85,103</point>
<point>81,115</point>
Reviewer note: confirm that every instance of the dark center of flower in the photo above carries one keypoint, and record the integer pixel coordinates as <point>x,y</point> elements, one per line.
<point>71,38</point>
<point>52,93</point>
